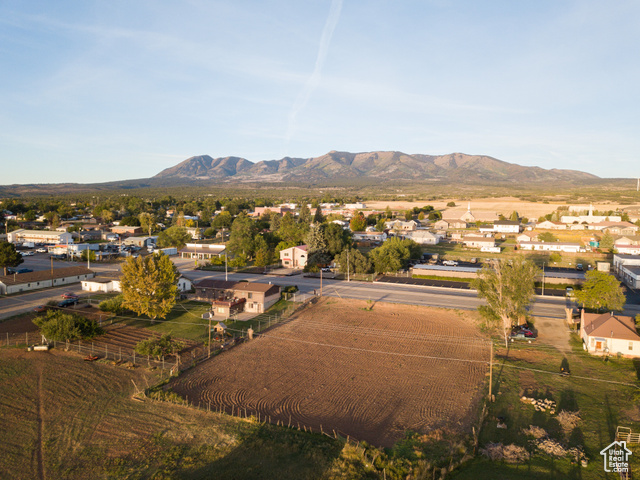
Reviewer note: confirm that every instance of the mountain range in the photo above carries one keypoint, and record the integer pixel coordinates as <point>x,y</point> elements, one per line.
<point>451,168</point>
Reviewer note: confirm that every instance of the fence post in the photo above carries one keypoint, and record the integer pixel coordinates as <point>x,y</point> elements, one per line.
<point>134,357</point>
<point>120,358</point>
<point>26,338</point>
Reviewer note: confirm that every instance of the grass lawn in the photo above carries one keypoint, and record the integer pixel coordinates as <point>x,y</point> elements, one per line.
<point>602,406</point>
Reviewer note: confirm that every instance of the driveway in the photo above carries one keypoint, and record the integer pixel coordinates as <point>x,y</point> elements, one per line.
<point>554,332</point>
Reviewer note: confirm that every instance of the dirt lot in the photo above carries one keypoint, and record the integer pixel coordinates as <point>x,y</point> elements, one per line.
<point>372,375</point>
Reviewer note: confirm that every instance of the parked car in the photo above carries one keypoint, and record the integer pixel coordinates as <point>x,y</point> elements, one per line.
<point>41,309</point>
<point>69,295</point>
<point>579,267</point>
<point>521,336</point>
<point>41,250</point>
<point>18,270</point>
<point>26,254</point>
<point>569,292</point>
<point>450,263</point>
<point>68,302</point>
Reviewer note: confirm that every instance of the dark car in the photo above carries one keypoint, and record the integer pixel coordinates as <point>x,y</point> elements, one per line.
<point>18,270</point>
<point>68,302</point>
<point>41,309</point>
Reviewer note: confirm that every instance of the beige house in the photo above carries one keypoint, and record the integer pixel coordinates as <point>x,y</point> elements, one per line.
<point>478,241</point>
<point>424,237</point>
<point>549,225</point>
<point>233,297</point>
<point>203,251</point>
<point>294,257</point>
<point>446,224</point>
<point>39,236</point>
<point>609,334</point>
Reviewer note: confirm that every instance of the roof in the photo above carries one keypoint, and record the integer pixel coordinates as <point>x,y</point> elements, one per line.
<point>42,275</point>
<point>506,222</point>
<point>565,244</point>
<point>237,286</point>
<point>609,325</point>
<point>37,232</point>
<point>203,249</point>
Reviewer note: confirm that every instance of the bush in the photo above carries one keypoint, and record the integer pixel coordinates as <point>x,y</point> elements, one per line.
<point>294,289</point>
<point>60,326</point>
<point>113,305</point>
<point>159,347</point>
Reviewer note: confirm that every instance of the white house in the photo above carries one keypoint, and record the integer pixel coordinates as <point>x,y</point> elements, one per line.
<point>609,334</point>
<point>478,241</point>
<point>551,246</point>
<point>184,284</point>
<point>627,249</point>
<point>39,236</point>
<point>294,257</point>
<point>549,225</point>
<point>424,237</point>
<point>410,226</point>
<point>203,251</point>
<point>506,226</point>
<point>369,236</point>
<point>22,282</point>
<point>627,267</point>
<point>105,285</point>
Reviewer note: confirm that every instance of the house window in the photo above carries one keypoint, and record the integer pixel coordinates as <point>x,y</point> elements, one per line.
<point>630,345</point>
<point>250,295</point>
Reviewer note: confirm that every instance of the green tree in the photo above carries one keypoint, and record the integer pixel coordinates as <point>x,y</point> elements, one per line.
<point>351,260</point>
<point>387,212</point>
<point>555,257</point>
<point>381,225</point>
<point>336,238</point>
<point>289,231</point>
<point>434,216</point>
<point>305,213</point>
<point>358,223</point>
<point>606,241</point>
<point>507,286</point>
<point>9,256</point>
<point>514,216</point>
<point>149,285</point>
<point>601,291</point>
<point>318,217</point>
<point>394,254</point>
<point>243,232</point>
<point>148,222</point>
<point>547,237</point>
<point>159,347</point>
<point>264,255</point>
<point>223,220</point>
<point>174,237</point>
<point>451,204</point>
<point>113,305</point>
<point>88,255</point>
<point>60,326</point>
<point>408,215</point>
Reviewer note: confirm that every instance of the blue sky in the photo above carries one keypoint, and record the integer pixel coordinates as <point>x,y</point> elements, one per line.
<point>94,91</point>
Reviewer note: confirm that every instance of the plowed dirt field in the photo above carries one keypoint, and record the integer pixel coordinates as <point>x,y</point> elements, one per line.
<point>371,374</point>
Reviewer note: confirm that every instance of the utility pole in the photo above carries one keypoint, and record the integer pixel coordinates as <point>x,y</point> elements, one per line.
<point>491,375</point>
<point>348,265</point>
<point>321,282</point>
<point>210,314</point>
<point>543,279</point>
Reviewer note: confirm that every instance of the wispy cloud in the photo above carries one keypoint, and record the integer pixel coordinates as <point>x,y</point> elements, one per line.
<point>313,81</point>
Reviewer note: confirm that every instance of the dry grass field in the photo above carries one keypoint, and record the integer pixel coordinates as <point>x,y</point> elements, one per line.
<point>503,205</point>
<point>370,374</point>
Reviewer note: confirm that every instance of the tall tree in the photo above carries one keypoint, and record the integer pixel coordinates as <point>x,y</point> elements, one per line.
<point>394,254</point>
<point>243,231</point>
<point>387,212</point>
<point>358,223</point>
<point>305,213</point>
<point>147,222</point>
<point>336,238</point>
<point>352,260</point>
<point>408,215</point>
<point>318,217</point>
<point>9,256</point>
<point>174,237</point>
<point>601,291</point>
<point>508,287</point>
<point>149,285</point>
<point>606,241</point>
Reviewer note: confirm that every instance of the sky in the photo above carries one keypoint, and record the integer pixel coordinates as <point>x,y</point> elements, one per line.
<point>95,91</point>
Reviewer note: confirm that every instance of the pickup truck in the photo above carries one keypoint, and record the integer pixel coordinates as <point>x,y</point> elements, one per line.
<point>450,263</point>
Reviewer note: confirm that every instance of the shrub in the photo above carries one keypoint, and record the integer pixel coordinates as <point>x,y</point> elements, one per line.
<point>159,347</point>
<point>60,326</point>
<point>113,305</point>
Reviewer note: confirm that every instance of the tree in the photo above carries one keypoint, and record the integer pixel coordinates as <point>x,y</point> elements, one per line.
<point>394,254</point>
<point>606,241</point>
<point>149,285</point>
<point>60,326</point>
<point>223,220</point>
<point>408,215</point>
<point>387,212</point>
<point>159,347</point>
<point>434,216</point>
<point>174,237</point>
<point>601,291</point>
<point>88,255</point>
<point>336,238</point>
<point>147,222</point>
<point>514,216</point>
<point>289,231</point>
<point>451,204</point>
<point>358,223</point>
<point>381,225</point>
<point>555,257</point>
<point>305,213</point>
<point>264,255</point>
<point>9,256</point>
<point>507,286</point>
<point>318,217</point>
<point>241,240</point>
<point>352,260</point>
<point>547,237</point>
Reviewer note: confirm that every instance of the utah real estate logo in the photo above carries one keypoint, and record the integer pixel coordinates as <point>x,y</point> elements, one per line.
<point>616,457</point>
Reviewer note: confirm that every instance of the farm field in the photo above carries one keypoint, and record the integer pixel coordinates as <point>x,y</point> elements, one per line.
<point>63,418</point>
<point>372,374</point>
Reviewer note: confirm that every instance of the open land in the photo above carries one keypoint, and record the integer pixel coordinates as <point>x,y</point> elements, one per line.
<point>370,374</point>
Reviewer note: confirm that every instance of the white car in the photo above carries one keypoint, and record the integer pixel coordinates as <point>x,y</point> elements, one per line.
<point>26,254</point>
<point>41,250</point>
<point>450,263</point>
